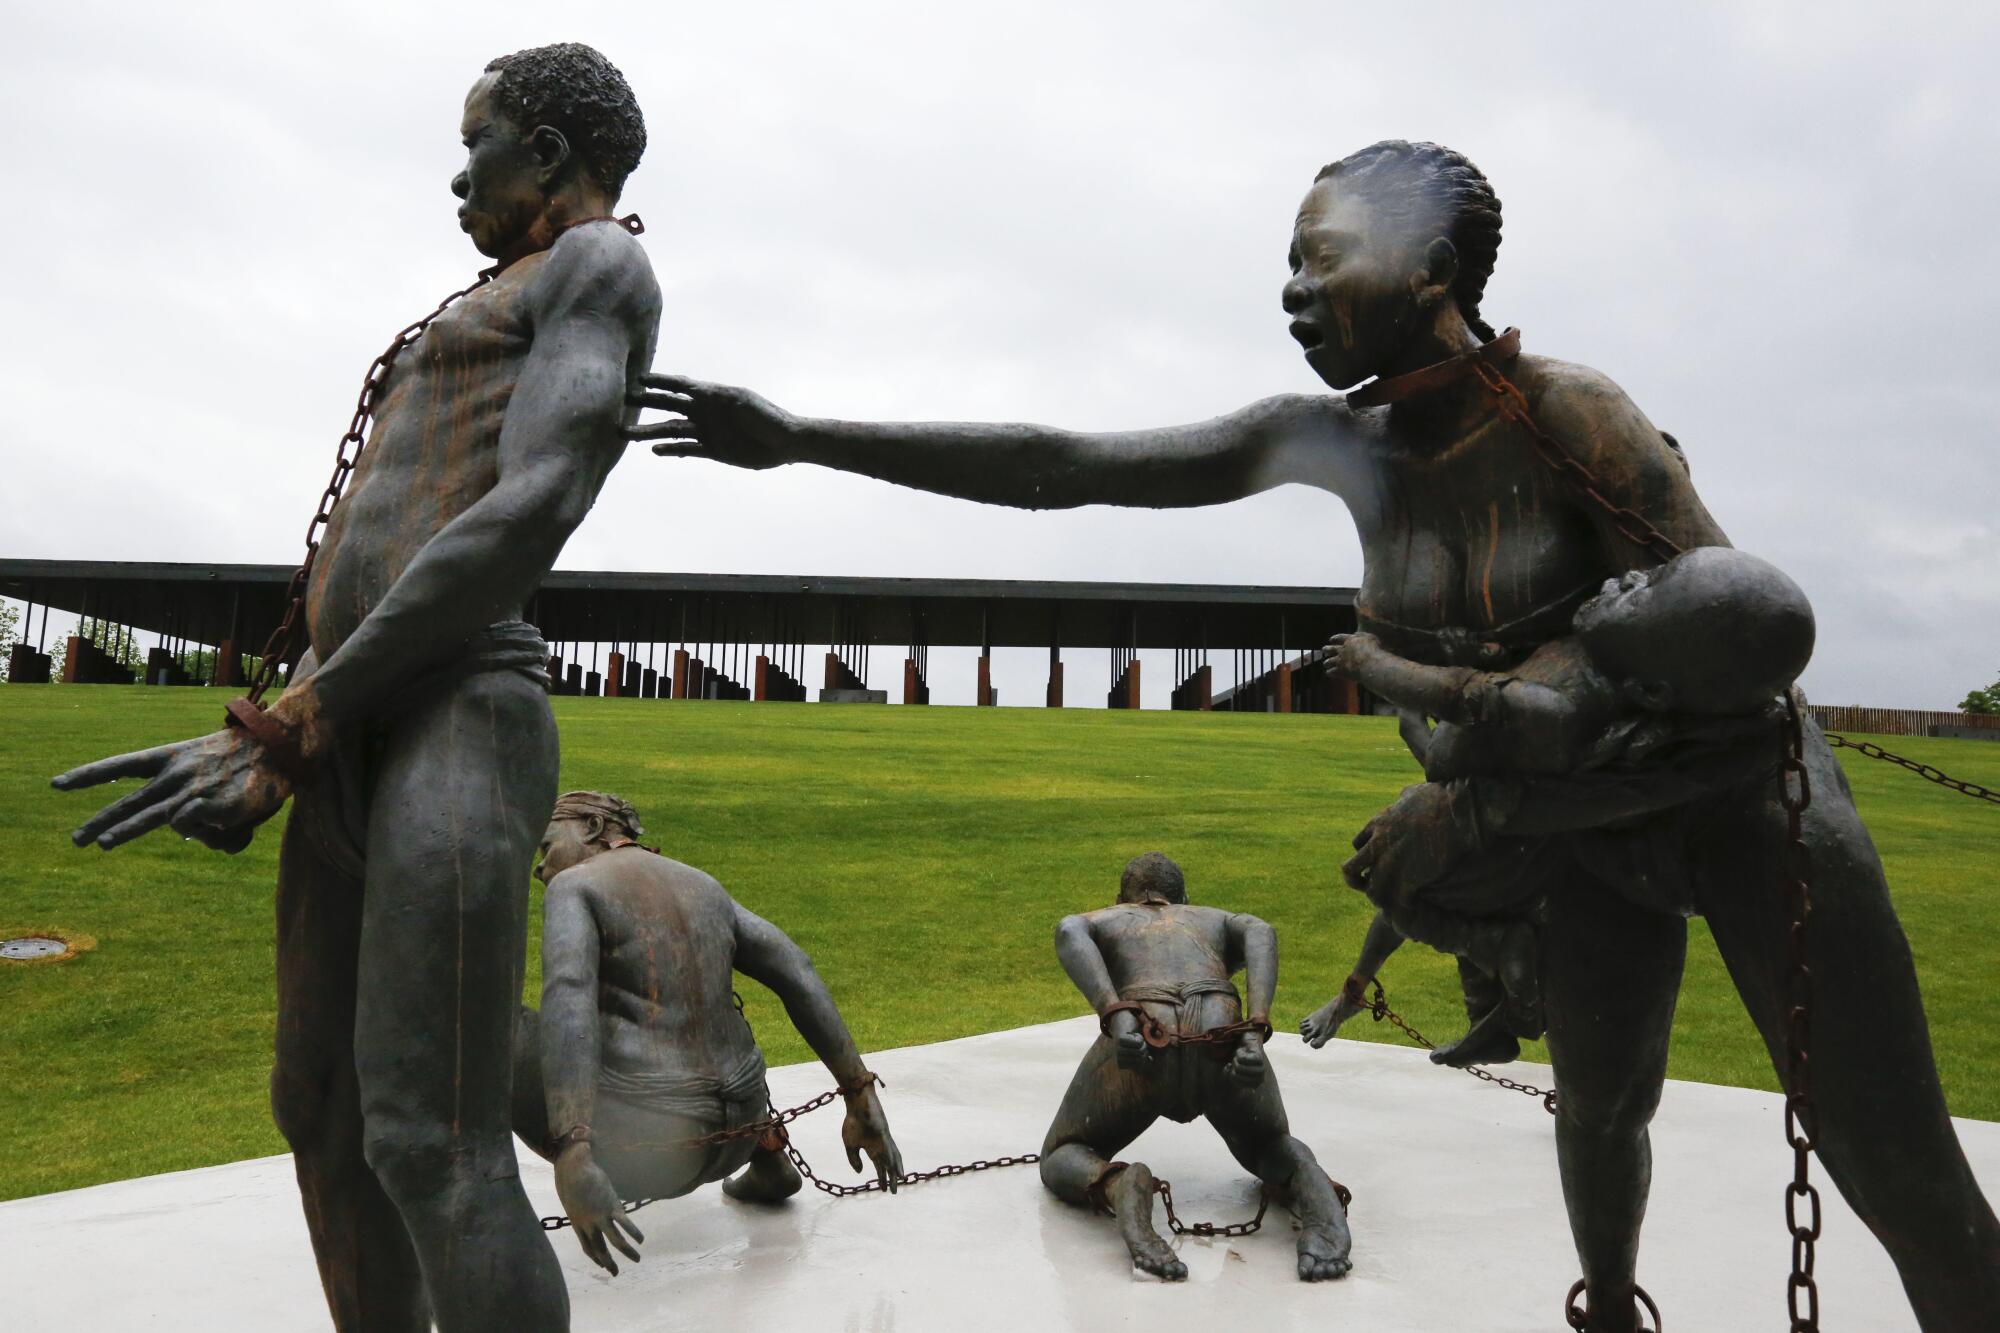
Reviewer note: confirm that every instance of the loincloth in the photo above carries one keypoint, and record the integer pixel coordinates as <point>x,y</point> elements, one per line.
<point>647,1126</point>
<point>334,808</point>
<point>1182,1081</point>
<point>734,1098</point>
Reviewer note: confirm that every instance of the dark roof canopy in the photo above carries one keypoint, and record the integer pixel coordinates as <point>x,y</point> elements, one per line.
<point>207,603</point>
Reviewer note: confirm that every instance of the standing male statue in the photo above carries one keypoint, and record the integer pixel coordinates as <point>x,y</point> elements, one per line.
<point>639,1073</point>
<point>416,737</point>
<point>1476,552</point>
<point>1153,962</point>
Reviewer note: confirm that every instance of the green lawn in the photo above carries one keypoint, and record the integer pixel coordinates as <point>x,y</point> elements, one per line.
<point>921,855</point>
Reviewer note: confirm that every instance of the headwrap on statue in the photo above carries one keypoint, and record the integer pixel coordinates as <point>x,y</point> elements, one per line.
<point>617,813</point>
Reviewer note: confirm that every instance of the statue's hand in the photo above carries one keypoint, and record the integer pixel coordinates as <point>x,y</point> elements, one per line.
<point>215,788</point>
<point>1408,845</point>
<point>866,1129</point>
<point>1128,1047</point>
<point>1350,654</point>
<point>596,1213</point>
<point>718,421</point>
<point>1248,1065</point>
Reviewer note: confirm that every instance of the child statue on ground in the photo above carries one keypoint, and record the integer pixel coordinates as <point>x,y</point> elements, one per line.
<point>639,1059</point>
<point>1678,664</point>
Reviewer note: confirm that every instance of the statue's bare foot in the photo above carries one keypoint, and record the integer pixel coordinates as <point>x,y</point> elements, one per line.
<point>1320,1025</point>
<point>1325,1251</point>
<point>1130,1194</point>
<point>770,1178</point>
<point>1488,1043</point>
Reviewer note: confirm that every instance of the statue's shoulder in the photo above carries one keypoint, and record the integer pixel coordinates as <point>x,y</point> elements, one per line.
<point>1588,411</point>
<point>599,264</point>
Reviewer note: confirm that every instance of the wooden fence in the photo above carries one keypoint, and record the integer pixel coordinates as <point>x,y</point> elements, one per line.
<point>1898,721</point>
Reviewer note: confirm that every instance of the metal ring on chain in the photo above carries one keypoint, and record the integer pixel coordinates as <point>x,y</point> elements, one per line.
<point>1574,1316</point>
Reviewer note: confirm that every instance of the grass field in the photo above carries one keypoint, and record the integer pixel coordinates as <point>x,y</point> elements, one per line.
<point>921,855</point>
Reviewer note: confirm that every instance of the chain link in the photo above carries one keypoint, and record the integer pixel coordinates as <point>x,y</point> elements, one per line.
<point>1925,771</point>
<point>1801,1116</point>
<point>1513,405</point>
<point>283,642</point>
<point>1378,1008</point>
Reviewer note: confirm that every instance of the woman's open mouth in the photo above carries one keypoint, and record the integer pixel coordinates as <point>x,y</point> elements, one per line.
<point>1308,334</point>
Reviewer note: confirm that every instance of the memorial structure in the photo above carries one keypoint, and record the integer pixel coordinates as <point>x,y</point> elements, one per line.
<point>415,735</point>
<point>1494,491</point>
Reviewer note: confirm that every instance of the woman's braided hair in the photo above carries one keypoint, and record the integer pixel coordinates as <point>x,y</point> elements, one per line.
<point>1434,187</point>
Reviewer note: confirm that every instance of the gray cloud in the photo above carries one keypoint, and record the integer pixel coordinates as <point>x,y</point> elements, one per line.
<point>1768,222</point>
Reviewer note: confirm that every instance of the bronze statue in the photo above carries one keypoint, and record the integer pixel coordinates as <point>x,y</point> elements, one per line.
<point>1668,680</point>
<point>1153,962</point>
<point>1477,549</point>
<point>415,737</point>
<point>639,1066</point>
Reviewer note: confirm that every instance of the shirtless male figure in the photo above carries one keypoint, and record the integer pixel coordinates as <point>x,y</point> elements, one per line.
<point>1154,959</point>
<point>416,734</point>
<point>639,1051</point>
<point>1474,553</point>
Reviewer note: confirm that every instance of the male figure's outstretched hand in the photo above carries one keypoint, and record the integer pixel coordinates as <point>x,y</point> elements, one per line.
<point>716,421</point>
<point>215,789</point>
<point>866,1129</point>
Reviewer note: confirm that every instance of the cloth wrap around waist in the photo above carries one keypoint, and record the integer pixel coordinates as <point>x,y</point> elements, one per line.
<point>736,1096</point>
<point>1178,996</point>
<point>337,805</point>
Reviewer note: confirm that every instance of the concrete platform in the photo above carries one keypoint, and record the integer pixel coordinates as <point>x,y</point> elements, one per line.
<point>1457,1219</point>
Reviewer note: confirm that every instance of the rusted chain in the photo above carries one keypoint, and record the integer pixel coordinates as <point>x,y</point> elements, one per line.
<point>558,1222</point>
<point>284,639</point>
<point>1801,1115</point>
<point>1212,1229</point>
<point>1378,1008</point>
<point>1574,1316</point>
<point>1924,771</point>
<point>1569,469</point>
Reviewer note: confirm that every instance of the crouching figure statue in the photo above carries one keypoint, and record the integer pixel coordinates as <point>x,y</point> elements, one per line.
<point>640,1077</point>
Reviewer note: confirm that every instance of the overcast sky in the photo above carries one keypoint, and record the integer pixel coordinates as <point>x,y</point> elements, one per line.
<point>1771,223</point>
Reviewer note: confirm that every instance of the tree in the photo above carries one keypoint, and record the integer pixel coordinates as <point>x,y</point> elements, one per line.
<point>1983,701</point>
<point>9,618</point>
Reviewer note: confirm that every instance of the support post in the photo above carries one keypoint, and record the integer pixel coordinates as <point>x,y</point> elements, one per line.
<point>228,663</point>
<point>1284,687</point>
<point>985,694</point>
<point>1055,684</point>
<point>909,680</point>
<point>759,693</point>
<point>1132,682</point>
<point>680,690</point>
<point>73,659</point>
<point>614,675</point>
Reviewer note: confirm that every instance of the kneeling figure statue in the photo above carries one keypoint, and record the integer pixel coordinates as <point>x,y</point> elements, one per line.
<point>1157,970</point>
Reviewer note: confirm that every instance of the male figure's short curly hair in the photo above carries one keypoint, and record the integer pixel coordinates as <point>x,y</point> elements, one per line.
<point>573,88</point>
<point>1152,877</point>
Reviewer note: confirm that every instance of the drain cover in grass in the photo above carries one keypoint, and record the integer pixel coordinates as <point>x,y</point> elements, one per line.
<point>30,946</point>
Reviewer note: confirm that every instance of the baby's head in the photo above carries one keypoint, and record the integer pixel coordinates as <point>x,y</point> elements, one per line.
<point>1712,631</point>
